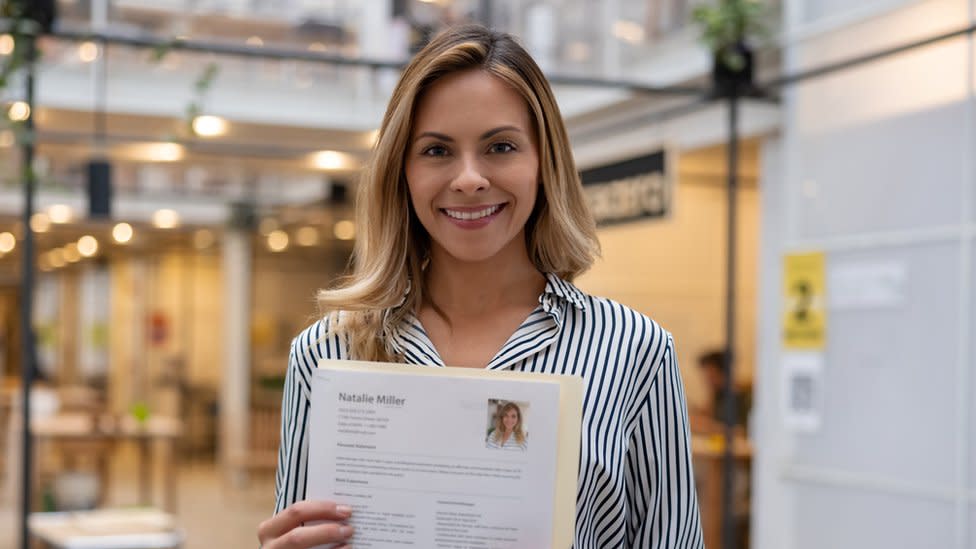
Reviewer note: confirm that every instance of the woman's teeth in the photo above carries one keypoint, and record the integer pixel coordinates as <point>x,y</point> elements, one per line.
<point>478,214</point>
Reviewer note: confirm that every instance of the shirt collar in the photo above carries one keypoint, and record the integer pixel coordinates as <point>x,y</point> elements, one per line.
<point>563,290</point>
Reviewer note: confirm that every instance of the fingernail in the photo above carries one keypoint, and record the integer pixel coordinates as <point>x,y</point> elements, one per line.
<point>344,510</point>
<point>345,531</point>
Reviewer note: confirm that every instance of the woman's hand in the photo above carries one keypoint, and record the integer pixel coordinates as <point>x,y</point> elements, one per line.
<point>286,530</point>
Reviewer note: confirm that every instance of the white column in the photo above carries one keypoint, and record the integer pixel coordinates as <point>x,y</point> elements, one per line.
<point>540,36</point>
<point>376,41</point>
<point>235,381</point>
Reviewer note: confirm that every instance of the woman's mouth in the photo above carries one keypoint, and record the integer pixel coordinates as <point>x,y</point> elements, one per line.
<point>470,214</point>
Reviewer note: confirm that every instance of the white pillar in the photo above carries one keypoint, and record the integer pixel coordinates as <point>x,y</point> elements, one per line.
<point>377,34</point>
<point>235,381</point>
<point>540,37</point>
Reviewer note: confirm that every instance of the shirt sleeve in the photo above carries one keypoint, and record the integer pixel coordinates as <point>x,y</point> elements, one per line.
<point>662,489</point>
<point>290,479</point>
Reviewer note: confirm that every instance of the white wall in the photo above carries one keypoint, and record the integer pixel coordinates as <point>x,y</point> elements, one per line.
<point>875,167</point>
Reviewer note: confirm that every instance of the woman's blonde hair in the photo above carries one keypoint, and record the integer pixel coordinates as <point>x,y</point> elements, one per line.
<point>500,425</point>
<point>392,246</point>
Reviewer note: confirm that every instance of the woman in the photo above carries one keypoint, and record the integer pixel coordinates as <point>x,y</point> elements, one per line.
<point>472,225</point>
<point>507,434</point>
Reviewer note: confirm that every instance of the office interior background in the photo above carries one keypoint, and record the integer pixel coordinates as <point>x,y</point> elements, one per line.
<point>163,325</point>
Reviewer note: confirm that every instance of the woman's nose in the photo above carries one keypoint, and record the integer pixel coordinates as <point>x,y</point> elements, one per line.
<point>470,178</point>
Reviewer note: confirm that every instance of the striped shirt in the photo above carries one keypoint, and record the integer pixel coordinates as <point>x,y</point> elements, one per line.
<point>510,444</point>
<point>636,487</point>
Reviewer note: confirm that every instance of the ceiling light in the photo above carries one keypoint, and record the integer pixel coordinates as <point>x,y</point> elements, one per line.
<point>59,213</point>
<point>165,219</point>
<point>88,52</point>
<point>6,44</point>
<point>209,126</point>
<point>71,253</point>
<point>18,111</point>
<point>328,160</point>
<point>165,152</point>
<point>203,239</point>
<point>628,31</point>
<point>344,230</point>
<point>7,243</point>
<point>88,245</point>
<point>255,41</point>
<point>277,240</point>
<point>122,233</point>
<point>56,257</point>
<point>307,236</point>
<point>40,222</point>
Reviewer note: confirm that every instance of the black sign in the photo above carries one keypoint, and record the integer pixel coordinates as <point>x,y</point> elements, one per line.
<point>638,188</point>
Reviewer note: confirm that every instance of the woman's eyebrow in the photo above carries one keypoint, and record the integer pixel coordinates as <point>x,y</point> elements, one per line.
<point>488,134</point>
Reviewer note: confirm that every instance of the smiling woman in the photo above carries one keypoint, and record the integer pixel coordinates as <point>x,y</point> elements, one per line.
<point>472,225</point>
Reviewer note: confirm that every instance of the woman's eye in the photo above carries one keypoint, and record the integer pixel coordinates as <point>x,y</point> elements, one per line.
<point>502,147</point>
<point>435,150</point>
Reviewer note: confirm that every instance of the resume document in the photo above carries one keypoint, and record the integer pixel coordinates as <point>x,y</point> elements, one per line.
<point>446,458</point>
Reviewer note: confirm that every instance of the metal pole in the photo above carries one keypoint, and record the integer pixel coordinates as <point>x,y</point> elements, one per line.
<point>27,299</point>
<point>729,527</point>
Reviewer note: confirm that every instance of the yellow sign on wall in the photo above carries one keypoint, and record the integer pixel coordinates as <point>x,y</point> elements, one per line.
<point>804,293</point>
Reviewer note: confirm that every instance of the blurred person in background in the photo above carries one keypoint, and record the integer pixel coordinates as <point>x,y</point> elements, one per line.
<point>472,225</point>
<point>710,419</point>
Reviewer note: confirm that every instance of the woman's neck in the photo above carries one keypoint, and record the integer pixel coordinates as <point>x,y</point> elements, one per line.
<point>477,288</point>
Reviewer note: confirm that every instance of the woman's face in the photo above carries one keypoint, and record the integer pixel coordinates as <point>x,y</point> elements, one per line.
<point>472,166</point>
<point>510,419</point>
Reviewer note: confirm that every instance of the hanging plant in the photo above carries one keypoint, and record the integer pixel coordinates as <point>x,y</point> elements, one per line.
<point>201,86</point>
<point>732,30</point>
<point>20,32</point>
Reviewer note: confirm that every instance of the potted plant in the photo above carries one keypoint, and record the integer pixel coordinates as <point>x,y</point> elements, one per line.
<point>732,29</point>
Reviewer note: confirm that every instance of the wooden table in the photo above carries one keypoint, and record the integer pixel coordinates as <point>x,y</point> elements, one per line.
<point>100,435</point>
<point>107,529</point>
<point>708,452</point>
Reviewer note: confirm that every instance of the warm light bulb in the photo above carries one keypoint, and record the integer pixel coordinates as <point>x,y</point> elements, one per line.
<point>88,52</point>
<point>6,44</point>
<point>71,253</point>
<point>88,245</point>
<point>122,233</point>
<point>18,111</point>
<point>307,236</point>
<point>166,152</point>
<point>59,213</point>
<point>56,257</point>
<point>328,160</point>
<point>40,222</point>
<point>344,230</point>
<point>277,240</point>
<point>165,219</point>
<point>628,31</point>
<point>209,126</point>
<point>7,243</point>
